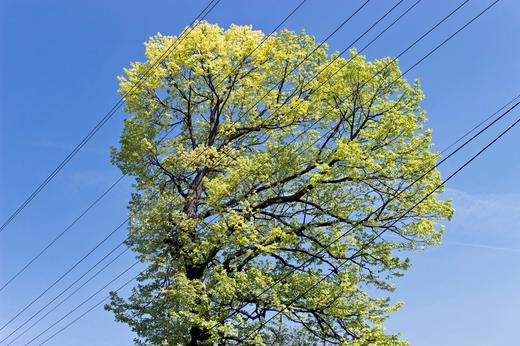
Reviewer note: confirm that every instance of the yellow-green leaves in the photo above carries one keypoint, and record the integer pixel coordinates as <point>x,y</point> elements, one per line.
<point>260,169</point>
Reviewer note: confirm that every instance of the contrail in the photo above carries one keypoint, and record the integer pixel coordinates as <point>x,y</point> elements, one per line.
<point>499,248</point>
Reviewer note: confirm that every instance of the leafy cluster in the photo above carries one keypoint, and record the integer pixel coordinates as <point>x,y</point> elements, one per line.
<point>249,162</point>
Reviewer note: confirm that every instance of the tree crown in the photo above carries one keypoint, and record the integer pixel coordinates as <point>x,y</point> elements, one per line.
<point>249,161</point>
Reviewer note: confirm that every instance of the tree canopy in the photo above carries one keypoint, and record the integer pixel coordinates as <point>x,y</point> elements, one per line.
<point>250,161</point>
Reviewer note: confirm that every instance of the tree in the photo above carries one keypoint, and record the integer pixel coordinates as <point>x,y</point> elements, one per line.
<point>248,164</point>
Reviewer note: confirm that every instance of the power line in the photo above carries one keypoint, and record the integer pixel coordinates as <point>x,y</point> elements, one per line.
<point>343,23</point>
<point>480,124</point>
<point>126,220</point>
<point>93,276</point>
<point>308,55</point>
<point>387,227</point>
<point>387,65</point>
<point>402,53</point>
<point>209,7</point>
<point>376,73</point>
<point>489,124</point>
<point>359,52</point>
<point>86,312</point>
<point>393,60</point>
<point>66,273</point>
<point>37,298</point>
<point>355,254</point>
<point>38,255</point>
<point>424,35</point>
<point>124,175</point>
<point>428,55</point>
<point>460,147</point>
<point>85,301</point>
<point>421,60</point>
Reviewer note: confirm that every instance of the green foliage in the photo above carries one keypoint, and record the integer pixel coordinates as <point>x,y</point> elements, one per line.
<point>233,194</point>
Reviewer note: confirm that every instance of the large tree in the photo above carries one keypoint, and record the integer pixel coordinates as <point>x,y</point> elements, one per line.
<point>249,165</point>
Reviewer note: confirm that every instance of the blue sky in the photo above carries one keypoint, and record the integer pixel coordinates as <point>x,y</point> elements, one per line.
<point>58,71</point>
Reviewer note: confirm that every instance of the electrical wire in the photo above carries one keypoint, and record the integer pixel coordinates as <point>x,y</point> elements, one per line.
<point>85,301</point>
<point>65,274</point>
<point>126,220</point>
<point>86,312</point>
<point>413,66</point>
<point>330,35</point>
<point>351,257</point>
<point>480,123</point>
<point>30,262</point>
<point>63,300</point>
<point>378,235</point>
<point>211,5</point>
<point>39,254</point>
<point>430,31</point>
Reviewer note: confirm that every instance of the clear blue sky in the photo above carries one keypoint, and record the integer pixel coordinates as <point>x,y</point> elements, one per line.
<point>58,66</point>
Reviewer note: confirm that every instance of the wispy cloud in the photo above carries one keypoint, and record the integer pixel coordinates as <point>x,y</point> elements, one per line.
<point>486,212</point>
<point>482,246</point>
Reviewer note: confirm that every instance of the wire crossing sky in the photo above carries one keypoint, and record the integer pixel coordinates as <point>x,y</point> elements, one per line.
<point>305,58</point>
<point>200,17</point>
<point>118,180</point>
<point>83,80</point>
<point>377,235</point>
